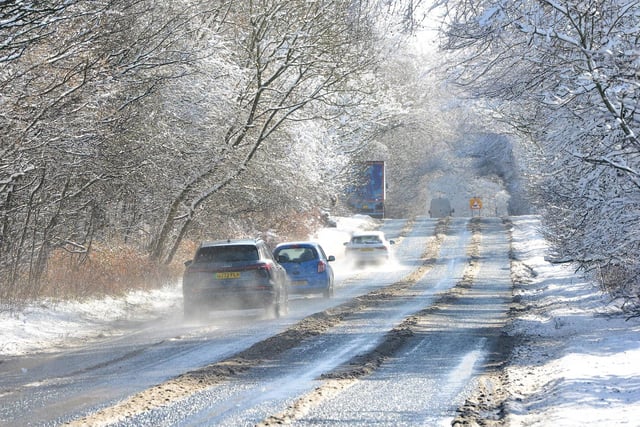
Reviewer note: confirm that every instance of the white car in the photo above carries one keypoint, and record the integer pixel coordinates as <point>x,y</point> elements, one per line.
<point>368,247</point>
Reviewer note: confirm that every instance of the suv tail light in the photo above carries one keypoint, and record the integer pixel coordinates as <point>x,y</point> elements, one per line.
<point>263,268</point>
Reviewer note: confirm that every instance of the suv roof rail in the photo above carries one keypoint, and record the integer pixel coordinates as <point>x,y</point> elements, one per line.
<point>226,241</point>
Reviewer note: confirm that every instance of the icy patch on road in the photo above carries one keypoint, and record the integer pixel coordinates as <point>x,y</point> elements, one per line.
<point>465,369</point>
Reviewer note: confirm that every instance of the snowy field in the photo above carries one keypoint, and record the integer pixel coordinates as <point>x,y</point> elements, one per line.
<point>577,362</point>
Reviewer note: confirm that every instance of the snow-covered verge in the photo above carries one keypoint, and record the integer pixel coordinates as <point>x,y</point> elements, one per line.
<point>576,362</point>
<point>48,325</point>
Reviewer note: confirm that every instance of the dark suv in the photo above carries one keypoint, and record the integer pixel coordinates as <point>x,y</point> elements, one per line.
<point>234,274</point>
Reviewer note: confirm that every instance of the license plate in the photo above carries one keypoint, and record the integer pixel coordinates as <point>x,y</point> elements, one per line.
<point>228,275</point>
<point>366,250</point>
<point>298,283</point>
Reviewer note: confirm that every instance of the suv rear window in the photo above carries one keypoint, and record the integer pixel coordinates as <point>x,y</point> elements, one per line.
<point>227,253</point>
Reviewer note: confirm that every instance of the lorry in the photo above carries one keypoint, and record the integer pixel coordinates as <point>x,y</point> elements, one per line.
<point>367,195</point>
<point>440,207</point>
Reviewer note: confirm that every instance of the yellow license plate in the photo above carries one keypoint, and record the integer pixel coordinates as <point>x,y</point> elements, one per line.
<point>228,275</point>
<point>366,249</point>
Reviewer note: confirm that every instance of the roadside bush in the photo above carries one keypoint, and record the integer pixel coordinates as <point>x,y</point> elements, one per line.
<point>620,281</point>
<point>116,268</point>
<point>107,270</point>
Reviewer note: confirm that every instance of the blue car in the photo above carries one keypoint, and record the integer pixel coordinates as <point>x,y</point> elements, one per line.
<point>307,268</point>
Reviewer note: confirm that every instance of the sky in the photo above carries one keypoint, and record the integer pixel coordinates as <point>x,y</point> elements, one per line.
<point>576,364</point>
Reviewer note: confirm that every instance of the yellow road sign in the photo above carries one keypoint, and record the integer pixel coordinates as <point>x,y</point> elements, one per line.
<point>475,203</point>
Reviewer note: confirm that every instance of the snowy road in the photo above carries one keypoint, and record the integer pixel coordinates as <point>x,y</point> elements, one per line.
<point>453,301</point>
<point>426,381</point>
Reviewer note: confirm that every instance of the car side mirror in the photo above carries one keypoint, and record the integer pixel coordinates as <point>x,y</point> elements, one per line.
<point>392,242</point>
<point>188,263</point>
<point>331,258</point>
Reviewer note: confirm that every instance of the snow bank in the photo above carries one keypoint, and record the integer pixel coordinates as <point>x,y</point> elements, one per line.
<point>47,324</point>
<point>577,363</point>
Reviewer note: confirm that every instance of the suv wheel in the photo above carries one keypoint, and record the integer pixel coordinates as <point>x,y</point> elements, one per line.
<point>283,306</point>
<point>273,310</point>
<point>280,307</point>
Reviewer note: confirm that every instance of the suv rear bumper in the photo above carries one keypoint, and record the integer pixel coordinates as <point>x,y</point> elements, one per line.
<point>230,299</point>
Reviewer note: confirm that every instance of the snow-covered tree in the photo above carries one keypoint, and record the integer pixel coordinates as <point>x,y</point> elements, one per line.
<point>140,120</point>
<point>73,77</point>
<point>566,76</point>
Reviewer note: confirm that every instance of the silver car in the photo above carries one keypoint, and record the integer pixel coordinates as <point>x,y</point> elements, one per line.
<point>368,247</point>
